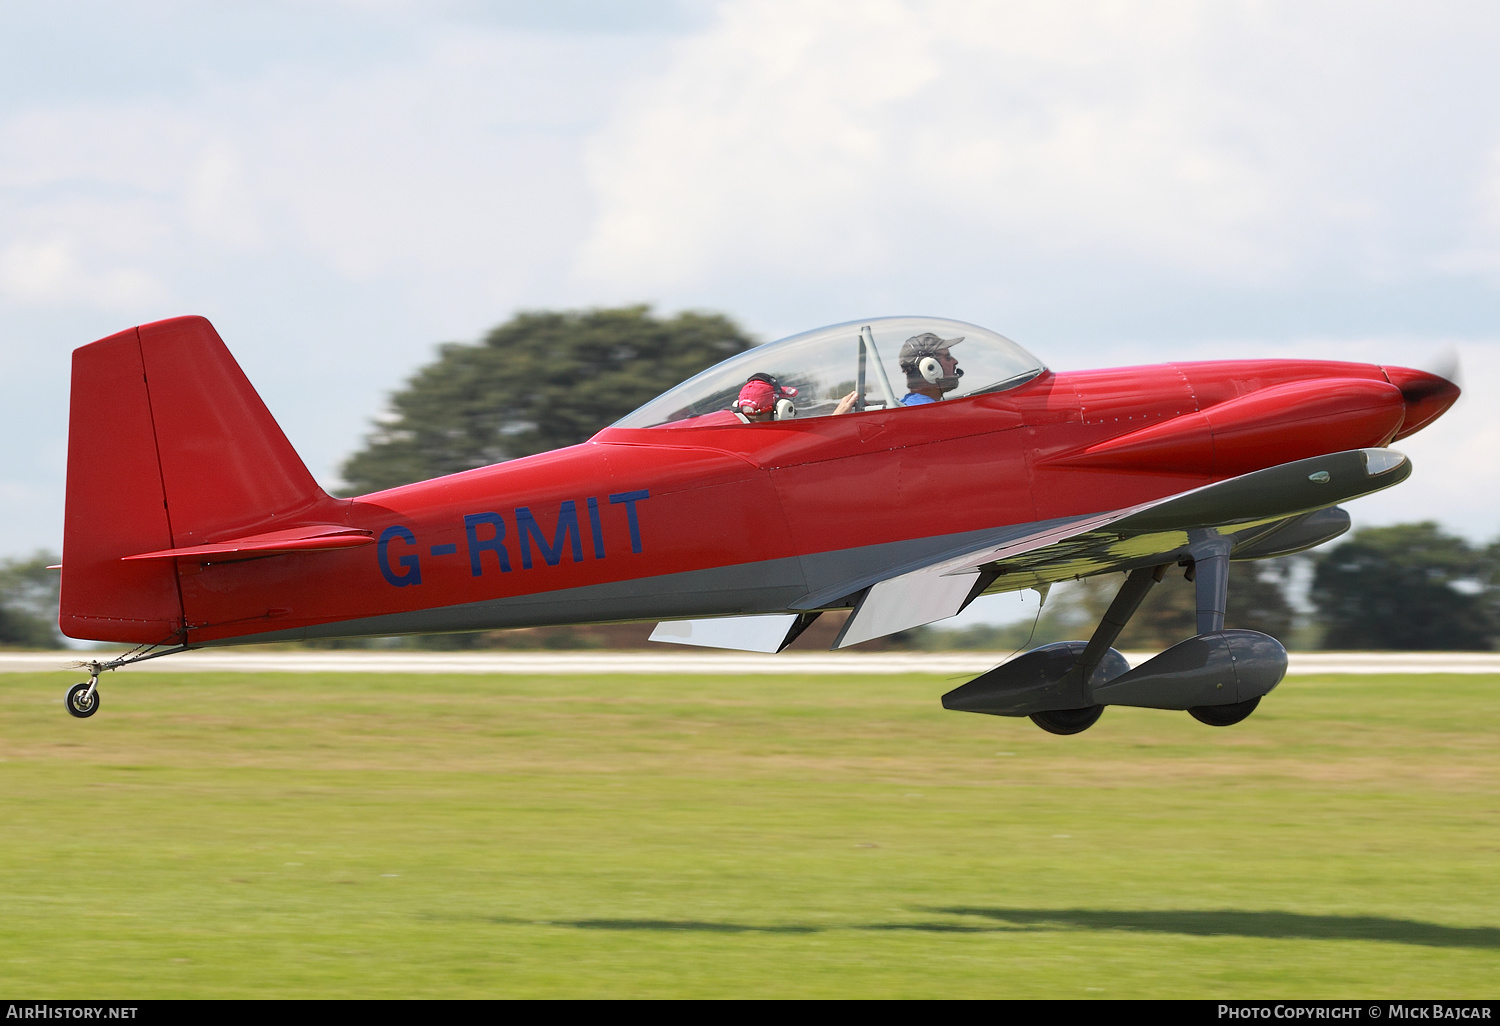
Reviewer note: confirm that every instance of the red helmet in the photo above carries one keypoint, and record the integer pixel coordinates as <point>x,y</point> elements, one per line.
<point>761,394</point>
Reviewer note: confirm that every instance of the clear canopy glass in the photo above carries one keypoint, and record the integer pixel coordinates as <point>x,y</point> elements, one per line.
<point>860,357</point>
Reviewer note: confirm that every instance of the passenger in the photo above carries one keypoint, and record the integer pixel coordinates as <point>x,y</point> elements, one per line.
<point>930,369</point>
<point>763,399</point>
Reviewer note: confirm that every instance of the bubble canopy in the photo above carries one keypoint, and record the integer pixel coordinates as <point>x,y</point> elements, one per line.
<point>863,357</point>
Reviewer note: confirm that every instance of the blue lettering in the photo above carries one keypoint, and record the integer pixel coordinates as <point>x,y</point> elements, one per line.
<point>443,550</point>
<point>477,545</point>
<point>630,499</point>
<point>409,561</point>
<point>596,527</point>
<point>567,528</point>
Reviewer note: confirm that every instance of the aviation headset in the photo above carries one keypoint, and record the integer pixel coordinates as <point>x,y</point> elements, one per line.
<point>920,359</point>
<point>931,370</point>
<point>784,408</point>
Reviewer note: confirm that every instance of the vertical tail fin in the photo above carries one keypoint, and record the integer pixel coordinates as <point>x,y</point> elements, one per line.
<point>168,446</point>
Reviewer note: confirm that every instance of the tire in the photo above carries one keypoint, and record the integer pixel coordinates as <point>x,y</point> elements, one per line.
<point>75,698</point>
<point>1224,715</point>
<point>1068,721</point>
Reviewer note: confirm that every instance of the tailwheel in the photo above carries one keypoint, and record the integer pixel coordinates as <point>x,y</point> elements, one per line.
<point>1224,715</point>
<point>83,699</point>
<point>1068,721</point>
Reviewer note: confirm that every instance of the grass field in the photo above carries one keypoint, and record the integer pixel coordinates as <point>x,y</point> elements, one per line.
<point>304,835</point>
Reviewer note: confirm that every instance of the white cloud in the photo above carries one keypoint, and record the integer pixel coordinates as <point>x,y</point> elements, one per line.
<point>451,173</point>
<point>39,270</point>
<point>1235,142</point>
<point>48,272</point>
<point>1479,253</point>
<point>813,136</point>
<point>217,198</point>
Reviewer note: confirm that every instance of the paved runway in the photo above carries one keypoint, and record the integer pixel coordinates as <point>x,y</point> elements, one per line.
<point>948,664</point>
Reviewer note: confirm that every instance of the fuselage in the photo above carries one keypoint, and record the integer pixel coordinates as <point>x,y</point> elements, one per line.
<point>656,523</point>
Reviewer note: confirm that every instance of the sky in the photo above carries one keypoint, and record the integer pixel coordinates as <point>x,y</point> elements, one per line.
<point>341,186</point>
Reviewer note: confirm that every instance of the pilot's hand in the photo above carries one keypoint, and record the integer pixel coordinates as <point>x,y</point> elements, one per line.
<point>847,403</point>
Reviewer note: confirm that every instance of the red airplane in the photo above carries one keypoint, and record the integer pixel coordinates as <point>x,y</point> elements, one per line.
<point>898,468</point>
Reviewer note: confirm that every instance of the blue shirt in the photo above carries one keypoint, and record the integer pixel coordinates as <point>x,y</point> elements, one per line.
<point>916,399</point>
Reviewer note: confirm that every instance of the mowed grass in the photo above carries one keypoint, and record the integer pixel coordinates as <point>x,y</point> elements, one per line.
<point>392,836</point>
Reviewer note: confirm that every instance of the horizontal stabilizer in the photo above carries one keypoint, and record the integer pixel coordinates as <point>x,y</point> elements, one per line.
<point>760,633</point>
<point>295,539</point>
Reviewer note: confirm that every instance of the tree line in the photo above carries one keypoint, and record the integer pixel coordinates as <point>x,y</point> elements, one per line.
<point>1410,587</point>
<point>547,379</point>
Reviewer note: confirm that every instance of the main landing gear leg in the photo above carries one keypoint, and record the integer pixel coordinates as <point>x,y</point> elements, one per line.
<point>1132,593</point>
<point>1209,572</point>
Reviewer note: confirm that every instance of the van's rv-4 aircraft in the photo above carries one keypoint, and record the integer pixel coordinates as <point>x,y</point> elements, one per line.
<point>898,468</point>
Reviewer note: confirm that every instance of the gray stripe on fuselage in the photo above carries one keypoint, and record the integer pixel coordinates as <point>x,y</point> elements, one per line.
<point>770,586</point>
<point>721,591</point>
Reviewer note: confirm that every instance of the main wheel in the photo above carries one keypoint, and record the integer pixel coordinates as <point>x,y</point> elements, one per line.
<point>80,703</point>
<point>1068,721</point>
<point>1224,715</point>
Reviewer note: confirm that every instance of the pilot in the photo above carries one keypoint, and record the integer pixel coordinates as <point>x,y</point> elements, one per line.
<point>930,369</point>
<point>763,398</point>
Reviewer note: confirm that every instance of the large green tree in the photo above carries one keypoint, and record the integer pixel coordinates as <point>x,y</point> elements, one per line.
<point>537,382</point>
<point>1408,586</point>
<point>28,601</point>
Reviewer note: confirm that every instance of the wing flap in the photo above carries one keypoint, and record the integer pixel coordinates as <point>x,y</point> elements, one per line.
<point>758,633</point>
<point>901,603</point>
